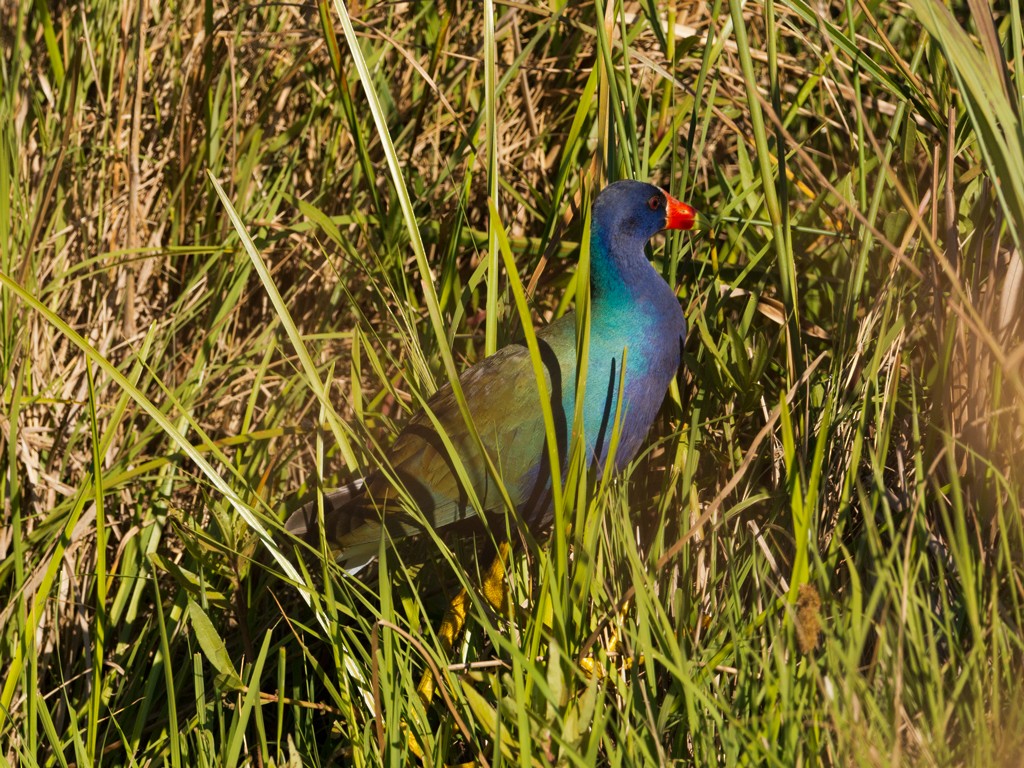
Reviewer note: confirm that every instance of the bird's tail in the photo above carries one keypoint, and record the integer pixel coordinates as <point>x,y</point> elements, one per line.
<point>302,523</point>
<point>343,517</point>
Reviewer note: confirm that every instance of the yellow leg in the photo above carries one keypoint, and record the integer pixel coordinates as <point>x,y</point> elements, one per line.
<point>495,588</point>
<point>495,592</point>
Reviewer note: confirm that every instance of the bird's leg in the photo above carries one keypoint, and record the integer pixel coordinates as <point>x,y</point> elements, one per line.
<point>495,586</point>
<point>495,592</point>
<point>615,647</point>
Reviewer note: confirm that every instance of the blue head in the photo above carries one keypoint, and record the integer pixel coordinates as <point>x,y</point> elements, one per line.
<point>625,216</point>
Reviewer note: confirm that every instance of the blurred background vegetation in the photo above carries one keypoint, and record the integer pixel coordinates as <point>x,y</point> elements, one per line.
<point>824,543</point>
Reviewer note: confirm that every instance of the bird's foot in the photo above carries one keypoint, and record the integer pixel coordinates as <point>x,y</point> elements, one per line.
<point>622,663</point>
<point>615,653</point>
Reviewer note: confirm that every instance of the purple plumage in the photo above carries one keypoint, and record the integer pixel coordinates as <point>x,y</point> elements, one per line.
<point>634,317</point>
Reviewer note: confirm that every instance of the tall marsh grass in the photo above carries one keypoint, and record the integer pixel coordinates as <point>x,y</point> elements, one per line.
<point>241,244</point>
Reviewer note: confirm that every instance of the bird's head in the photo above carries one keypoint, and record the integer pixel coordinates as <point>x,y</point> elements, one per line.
<point>636,210</point>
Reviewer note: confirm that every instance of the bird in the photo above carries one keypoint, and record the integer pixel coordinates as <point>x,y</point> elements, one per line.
<point>636,322</point>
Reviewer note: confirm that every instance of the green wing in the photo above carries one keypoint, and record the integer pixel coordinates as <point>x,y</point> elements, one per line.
<point>501,393</point>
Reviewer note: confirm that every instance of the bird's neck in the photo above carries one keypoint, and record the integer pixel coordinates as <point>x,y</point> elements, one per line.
<point>619,271</point>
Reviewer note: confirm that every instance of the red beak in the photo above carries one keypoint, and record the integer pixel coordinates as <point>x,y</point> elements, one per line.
<point>679,215</point>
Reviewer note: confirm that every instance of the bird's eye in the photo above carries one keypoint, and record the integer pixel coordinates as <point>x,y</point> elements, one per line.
<point>655,202</point>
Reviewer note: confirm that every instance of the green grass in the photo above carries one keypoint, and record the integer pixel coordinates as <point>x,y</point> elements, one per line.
<point>240,245</point>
